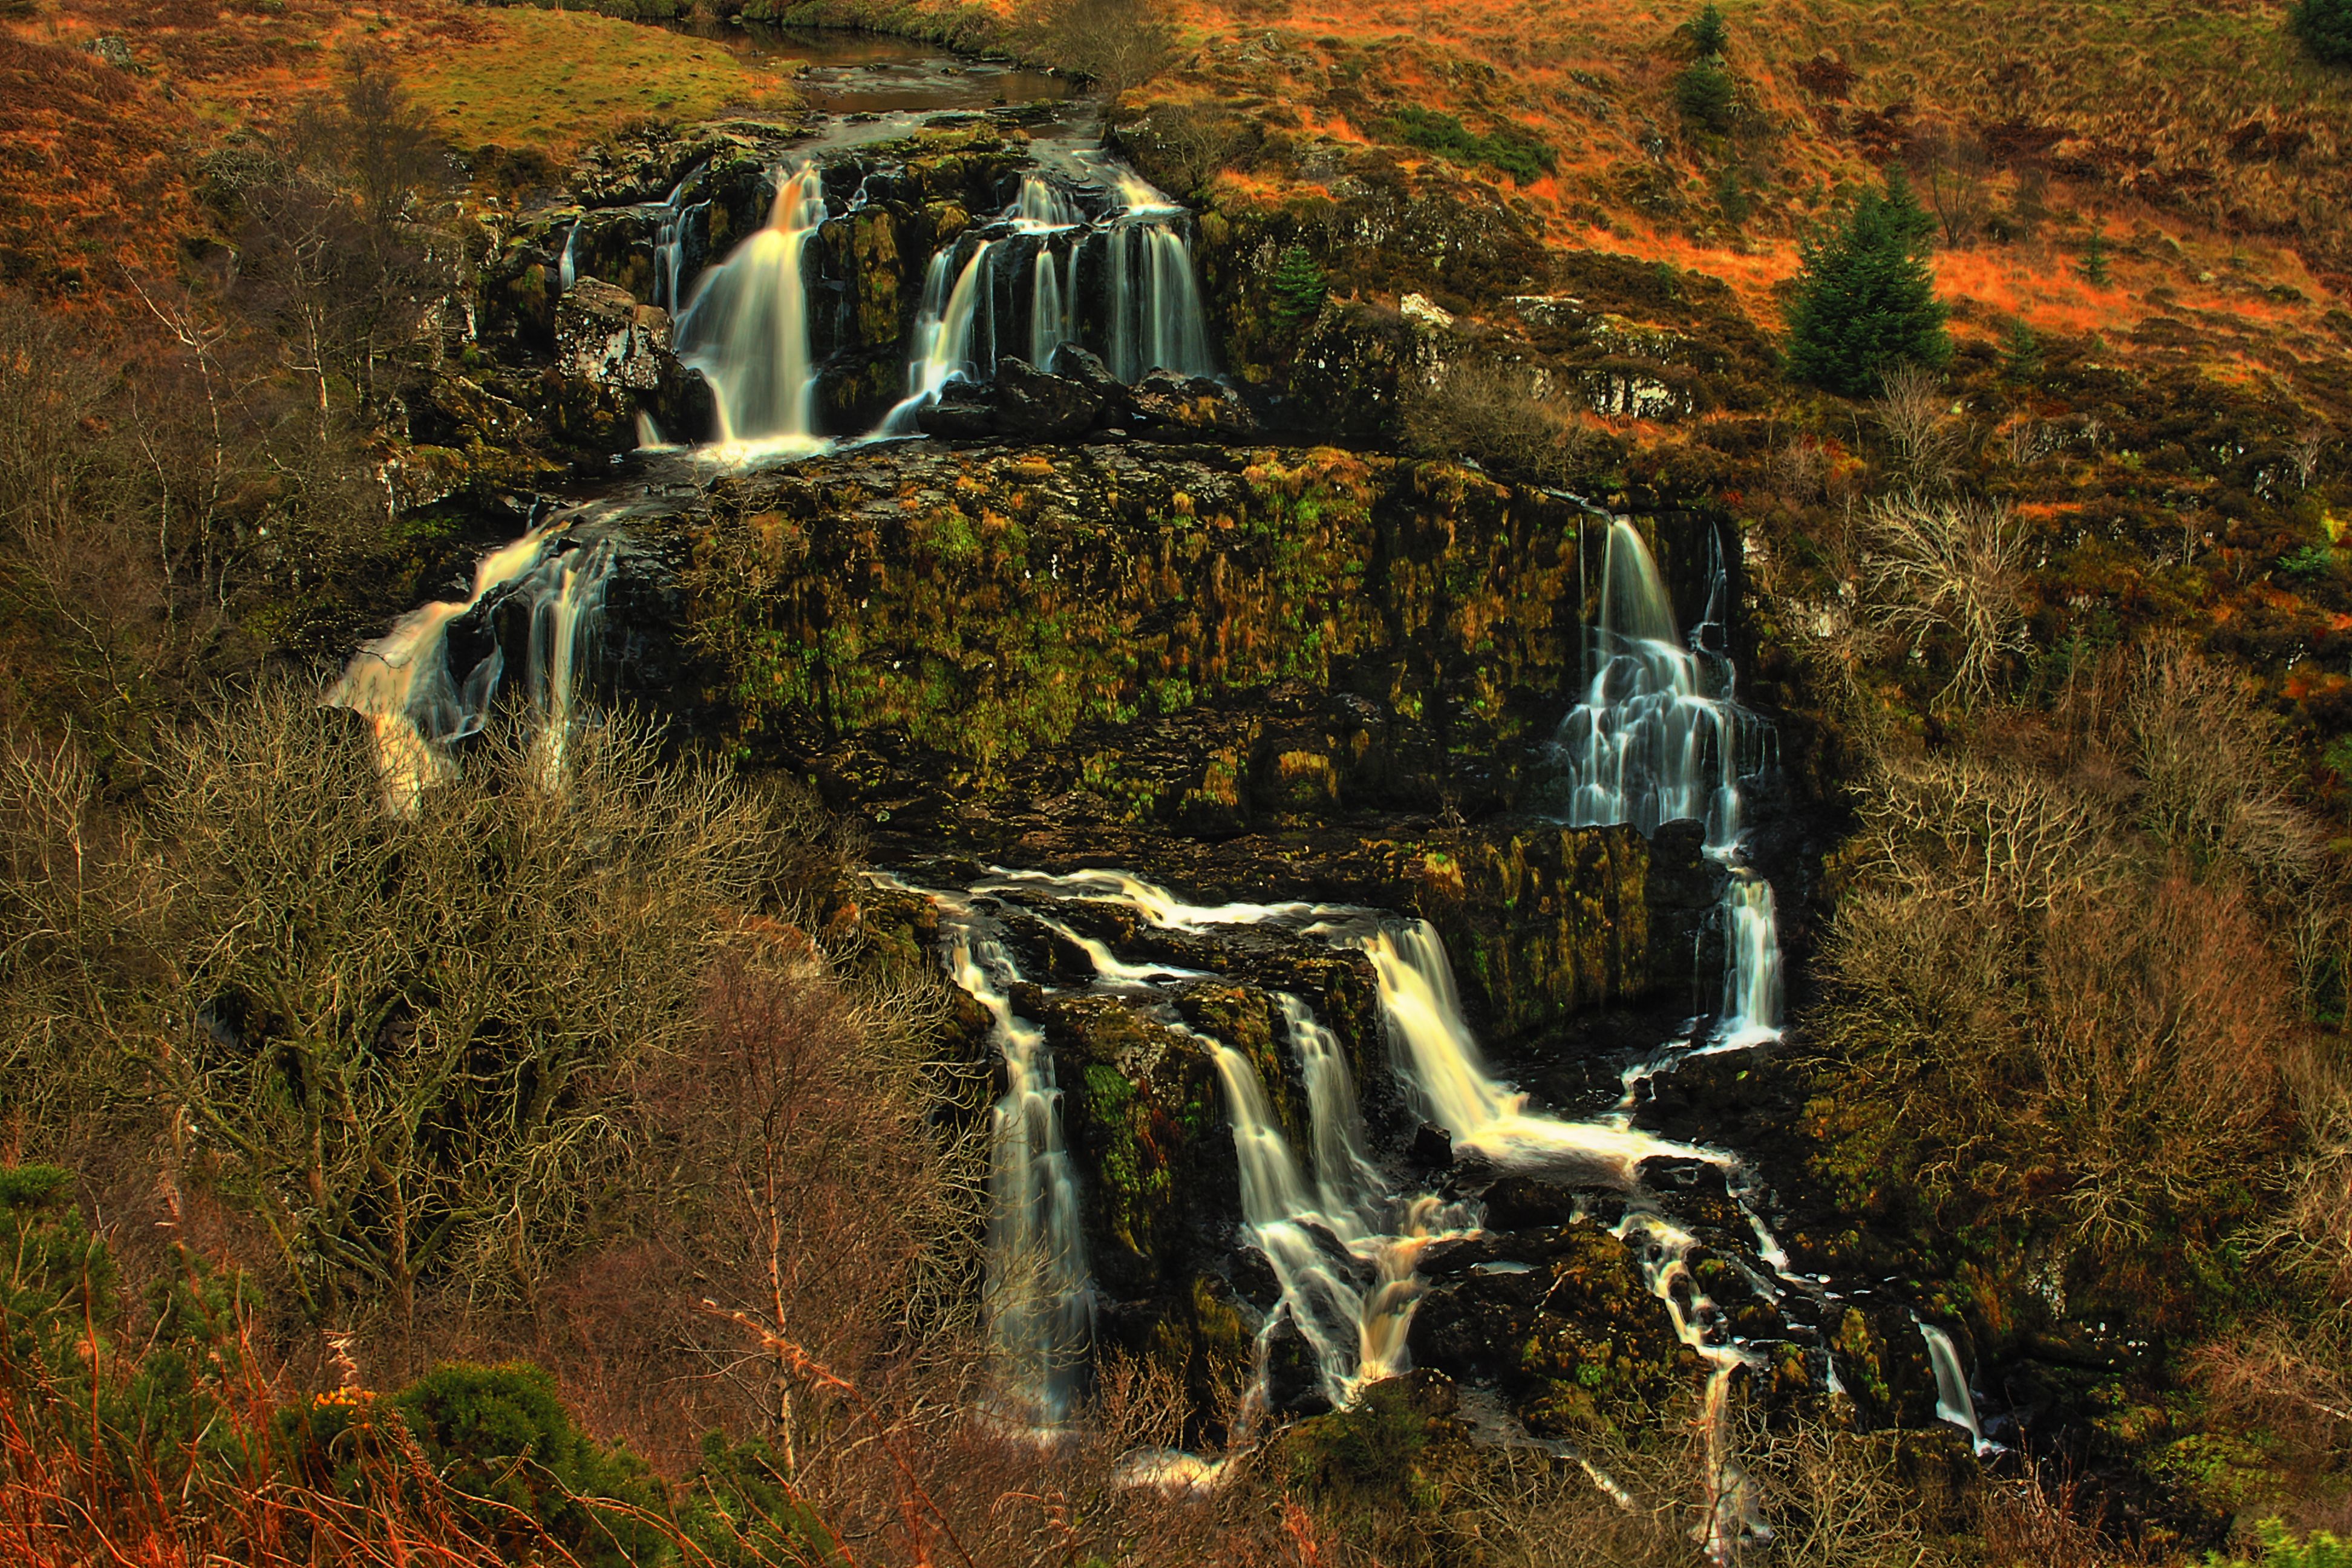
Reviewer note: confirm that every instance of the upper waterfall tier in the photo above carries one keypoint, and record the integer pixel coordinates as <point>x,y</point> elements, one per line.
<point>748,329</point>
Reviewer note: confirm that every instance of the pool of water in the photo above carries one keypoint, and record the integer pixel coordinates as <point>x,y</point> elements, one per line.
<point>843,71</point>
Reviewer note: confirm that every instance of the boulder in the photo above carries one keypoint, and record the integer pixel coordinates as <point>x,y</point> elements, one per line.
<point>1021,404</point>
<point>1192,406</point>
<point>604,337</point>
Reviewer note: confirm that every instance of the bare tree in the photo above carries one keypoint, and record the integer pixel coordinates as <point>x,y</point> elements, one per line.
<point>1947,574</point>
<point>1115,44</point>
<point>1924,438</point>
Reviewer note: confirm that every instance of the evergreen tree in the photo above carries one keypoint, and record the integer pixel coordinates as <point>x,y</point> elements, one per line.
<point>1865,302</point>
<point>1298,287</point>
<point>2325,28</point>
<point>1705,91</point>
<point>1710,35</point>
<point>2020,354</point>
<point>1706,96</point>
<point>2094,265</point>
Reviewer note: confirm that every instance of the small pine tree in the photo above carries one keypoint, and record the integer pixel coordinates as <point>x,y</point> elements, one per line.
<point>1865,300</point>
<point>1706,96</point>
<point>2020,354</point>
<point>2094,265</point>
<point>1710,35</point>
<point>2325,28</point>
<point>1298,287</point>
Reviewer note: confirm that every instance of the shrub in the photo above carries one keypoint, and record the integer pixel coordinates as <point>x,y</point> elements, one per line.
<point>1117,44</point>
<point>1945,576</point>
<point>500,1435</point>
<point>1865,302</point>
<point>400,1042</point>
<point>1491,414</point>
<point>2325,28</point>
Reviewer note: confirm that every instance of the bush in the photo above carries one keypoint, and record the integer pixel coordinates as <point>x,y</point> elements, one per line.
<point>500,1435</point>
<point>400,1042</point>
<point>2325,28</point>
<point>1491,414</point>
<point>1116,43</point>
<point>1865,302</point>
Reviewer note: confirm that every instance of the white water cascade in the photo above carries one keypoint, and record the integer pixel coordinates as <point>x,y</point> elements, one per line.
<point>1156,321</point>
<point>1030,263</point>
<point>1664,1250</point>
<point>1442,1061</point>
<point>1659,738</point>
<point>1953,1402</point>
<point>946,322</point>
<point>1038,1299</point>
<point>402,682</point>
<point>747,329</point>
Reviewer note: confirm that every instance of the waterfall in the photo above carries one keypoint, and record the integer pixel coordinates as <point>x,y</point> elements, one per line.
<point>1045,319</point>
<point>1750,1015</point>
<point>1657,739</point>
<point>567,270</point>
<point>1664,1252</point>
<point>1443,1064</point>
<point>1156,321</point>
<point>565,621</point>
<point>1953,1402</point>
<point>946,324</point>
<point>1349,1287</point>
<point>669,242</point>
<point>747,329</point>
<point>1029,260</point>
<point>1038,1299</point>
<point>403,685</point>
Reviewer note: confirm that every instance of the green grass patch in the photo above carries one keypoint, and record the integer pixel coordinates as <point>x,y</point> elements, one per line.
<point>1521,154</point>
<point>553,79</point>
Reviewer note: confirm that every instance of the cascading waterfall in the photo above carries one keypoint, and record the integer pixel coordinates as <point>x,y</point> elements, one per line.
<point>1038,1299</point>
<point>1750,1013</point>
<point>1953,1402</point>
<point>1033,256</point>
<point>1658,738</point>
<point>747,329</point>
<point>1663,1250</point>
<point>1156,320</point>
<point>947,322</point>
<point>403,685</point>
<point>1441,1059</point>
<point>565,622</point>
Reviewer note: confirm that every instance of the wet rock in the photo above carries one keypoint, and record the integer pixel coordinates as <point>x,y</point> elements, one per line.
<point>604,337</point>
<point>1176,407</point>
<point>1526,1203</point>
<point>1432,1148</point>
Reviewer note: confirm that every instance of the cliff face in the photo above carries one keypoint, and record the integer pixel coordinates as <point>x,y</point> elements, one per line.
<point>1325,664</point>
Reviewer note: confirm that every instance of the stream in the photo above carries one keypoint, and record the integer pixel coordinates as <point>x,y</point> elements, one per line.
<point>1342,1218</point>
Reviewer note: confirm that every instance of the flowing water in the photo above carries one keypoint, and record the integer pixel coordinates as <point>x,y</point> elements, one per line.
<point>1017,287</point>
<point>1038,1300</point>
<point>1954,1403</point>
<point>419,706</point>
<point>747,328</point>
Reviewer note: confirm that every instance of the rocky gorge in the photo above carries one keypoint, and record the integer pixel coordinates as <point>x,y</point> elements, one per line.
<point>1079,637</point>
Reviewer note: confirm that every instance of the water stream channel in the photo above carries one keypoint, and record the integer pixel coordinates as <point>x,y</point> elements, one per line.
<point>1083,255</point>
